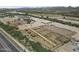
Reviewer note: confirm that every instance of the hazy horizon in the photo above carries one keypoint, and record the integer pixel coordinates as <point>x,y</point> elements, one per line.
<point>37,3</point>
<point>32,6</point>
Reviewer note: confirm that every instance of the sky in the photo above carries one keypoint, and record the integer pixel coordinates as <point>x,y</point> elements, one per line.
<point>37,3</point>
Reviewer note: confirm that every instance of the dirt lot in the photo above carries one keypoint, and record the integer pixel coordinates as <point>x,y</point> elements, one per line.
<point>51,37</point>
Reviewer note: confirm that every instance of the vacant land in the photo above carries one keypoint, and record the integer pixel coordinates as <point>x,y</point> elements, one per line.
<point>40,33</point>
<point>51,37</point>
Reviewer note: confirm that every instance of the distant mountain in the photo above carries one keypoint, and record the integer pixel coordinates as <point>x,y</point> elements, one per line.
<point>50,9</point>
<point>43,9</point>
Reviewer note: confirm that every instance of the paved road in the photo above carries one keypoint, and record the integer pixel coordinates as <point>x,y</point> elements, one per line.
<point>13,41</point>
<point>7,45</point>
